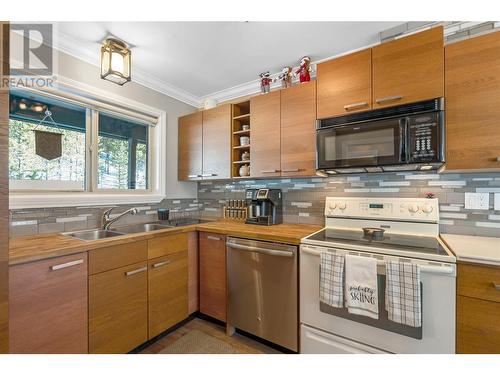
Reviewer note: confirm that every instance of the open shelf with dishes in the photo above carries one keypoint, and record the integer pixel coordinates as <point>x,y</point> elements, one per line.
<point>240,140</point>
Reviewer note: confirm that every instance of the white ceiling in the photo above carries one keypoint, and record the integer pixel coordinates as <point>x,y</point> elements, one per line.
<point>195,60</point>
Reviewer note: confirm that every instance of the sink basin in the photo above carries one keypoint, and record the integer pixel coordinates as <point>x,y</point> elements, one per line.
<point>138,228</point>
<point>93,234</point>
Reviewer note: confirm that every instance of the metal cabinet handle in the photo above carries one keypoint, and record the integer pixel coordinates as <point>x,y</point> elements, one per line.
<point>291,170</point>
<point>271,171</point>
<point>66,265</point>
<point>213,238</point>
<point>159,264</point>
<point>498,158</point>
<point>209,175</point>
<point>348,107</point>
<point>496,286</point>
<point>194,175</point>
<point>388,99</point>
<point>138,270</point>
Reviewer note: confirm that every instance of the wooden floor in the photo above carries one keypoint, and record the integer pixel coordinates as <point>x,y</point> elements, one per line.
<point>242,344</point>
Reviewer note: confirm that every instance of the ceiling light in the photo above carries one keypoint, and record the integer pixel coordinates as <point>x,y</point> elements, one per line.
<point>425,167</point>
<point>115,61</point>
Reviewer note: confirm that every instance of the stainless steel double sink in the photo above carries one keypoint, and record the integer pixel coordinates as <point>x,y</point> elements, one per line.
<point>97,234</point>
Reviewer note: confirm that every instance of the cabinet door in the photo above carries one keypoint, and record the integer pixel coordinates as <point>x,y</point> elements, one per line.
<point>298,130</point>
<point>472,109</point>
<point>48,306</point>
<point>345,84</point>
<point>190,147</point>
<point>217,142</point>
<point>167,292</point>
<point>118,309</point>
<point>265,151</point>
<point>193,273</point>
<point>213,275</point>
<point>409,69</point>
<point>478,326</point>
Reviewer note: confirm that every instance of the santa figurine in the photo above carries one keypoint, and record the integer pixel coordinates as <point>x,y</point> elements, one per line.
<point>265,82</point>
<point>304,70</point>
<point>286,77</point>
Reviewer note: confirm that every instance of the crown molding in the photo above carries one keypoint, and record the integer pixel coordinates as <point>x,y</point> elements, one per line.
<point>71,46</point>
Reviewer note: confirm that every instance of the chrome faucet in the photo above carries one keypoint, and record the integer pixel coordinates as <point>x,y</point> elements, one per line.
<point>106,221</point>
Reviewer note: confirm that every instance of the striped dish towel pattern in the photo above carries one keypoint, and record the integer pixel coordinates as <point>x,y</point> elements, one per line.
<point>331,275</point>
<point>403,300</point>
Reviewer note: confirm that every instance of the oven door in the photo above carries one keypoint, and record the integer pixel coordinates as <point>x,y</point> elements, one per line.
<point>438,310</point>
<point>367,144</point>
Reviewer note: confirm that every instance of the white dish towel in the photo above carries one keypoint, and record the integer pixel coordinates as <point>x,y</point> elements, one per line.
<point>331,279</point>
<point>361,291</point>
<point>403,300</point>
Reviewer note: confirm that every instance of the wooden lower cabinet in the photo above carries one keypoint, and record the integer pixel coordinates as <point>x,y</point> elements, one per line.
<point>167,292</point>
<point>213,289</point>
<point>193,273</point>
<point>48,306</point>
<point>118,309</point>
<point>478,309</point>
<point>478,326</point>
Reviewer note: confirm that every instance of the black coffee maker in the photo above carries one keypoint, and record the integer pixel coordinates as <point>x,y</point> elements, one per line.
<point>265,206</point>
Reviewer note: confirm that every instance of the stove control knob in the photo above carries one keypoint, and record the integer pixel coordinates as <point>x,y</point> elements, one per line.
<point>413,208</point>
<point>342,206</point>
<point>333,205</point>
<point>427,209</point>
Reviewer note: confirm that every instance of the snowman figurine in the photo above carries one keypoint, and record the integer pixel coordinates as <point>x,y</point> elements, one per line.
<point>265,82</point>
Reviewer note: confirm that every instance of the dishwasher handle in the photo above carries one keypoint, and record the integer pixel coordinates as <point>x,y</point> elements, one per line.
<point>287,254</point>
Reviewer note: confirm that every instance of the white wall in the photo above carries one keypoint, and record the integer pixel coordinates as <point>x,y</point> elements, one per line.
<point>78,70</point>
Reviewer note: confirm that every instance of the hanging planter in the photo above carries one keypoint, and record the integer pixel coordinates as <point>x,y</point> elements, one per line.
<point>48,145</point>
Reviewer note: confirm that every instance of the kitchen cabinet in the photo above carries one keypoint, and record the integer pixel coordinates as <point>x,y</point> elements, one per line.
<point>409,69</point>
<point>265,117</point>
<point>217,142</point>
<point>298,130</point>
<point>478,309</point>
<point>193,273</point>
<point>110,257</point>
<point>48,306</point>
<point>167,292</point>
<point>345,84</point>
<point>190,134</point>
<point>118,309</point>
<point>472,110</point>
<point>212,254</point>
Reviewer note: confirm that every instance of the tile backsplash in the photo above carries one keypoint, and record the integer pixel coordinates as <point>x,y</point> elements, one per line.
<point>25,222</point>
<point>304,198</point>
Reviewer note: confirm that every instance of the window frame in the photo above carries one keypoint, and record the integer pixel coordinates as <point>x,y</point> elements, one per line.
<point>95,101</point>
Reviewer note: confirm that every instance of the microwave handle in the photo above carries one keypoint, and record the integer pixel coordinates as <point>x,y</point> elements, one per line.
<point>402,139</point>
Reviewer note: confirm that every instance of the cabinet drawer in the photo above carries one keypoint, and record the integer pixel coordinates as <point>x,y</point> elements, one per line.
<point>166,245</point>
<point>118,309</point>
<point>479,282</point>
<point>112,257</point>
<point>478,326</point>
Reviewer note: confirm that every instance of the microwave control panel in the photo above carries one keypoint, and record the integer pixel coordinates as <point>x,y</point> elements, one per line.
<point>424,137</point>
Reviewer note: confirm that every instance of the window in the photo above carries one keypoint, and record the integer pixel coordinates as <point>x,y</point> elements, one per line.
<point>123,160</point>
<point>123,154</point>
<point>26,168</point>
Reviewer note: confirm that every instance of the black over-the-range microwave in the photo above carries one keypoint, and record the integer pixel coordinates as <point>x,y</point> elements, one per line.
<point>408,137</point>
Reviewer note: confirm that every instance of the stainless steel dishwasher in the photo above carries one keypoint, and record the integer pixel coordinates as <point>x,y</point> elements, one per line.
<point>262,290</point>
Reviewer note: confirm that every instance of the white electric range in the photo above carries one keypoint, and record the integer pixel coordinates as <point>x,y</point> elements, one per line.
<point>411,235</point>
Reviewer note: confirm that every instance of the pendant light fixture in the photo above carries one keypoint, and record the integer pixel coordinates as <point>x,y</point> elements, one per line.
<point>115,61</point>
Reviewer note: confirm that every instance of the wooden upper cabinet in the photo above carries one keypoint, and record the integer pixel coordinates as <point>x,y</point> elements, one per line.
<point>213,275</point>
<point>265,136</point>
<point>345,84</point>
<point>298,130</point>
<point>190,147</point>
<point>217,142</point>
<point>472,108</point>
<point>48,306</point>
<point>409,69</point>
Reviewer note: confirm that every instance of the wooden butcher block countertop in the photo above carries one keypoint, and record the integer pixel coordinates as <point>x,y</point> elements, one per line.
<point>31,248</point>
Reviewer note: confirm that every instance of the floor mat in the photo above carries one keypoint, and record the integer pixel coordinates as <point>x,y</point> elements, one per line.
<point>198,342</point>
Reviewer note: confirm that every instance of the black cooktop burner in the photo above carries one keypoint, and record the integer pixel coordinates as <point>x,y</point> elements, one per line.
<point>420,244</point>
